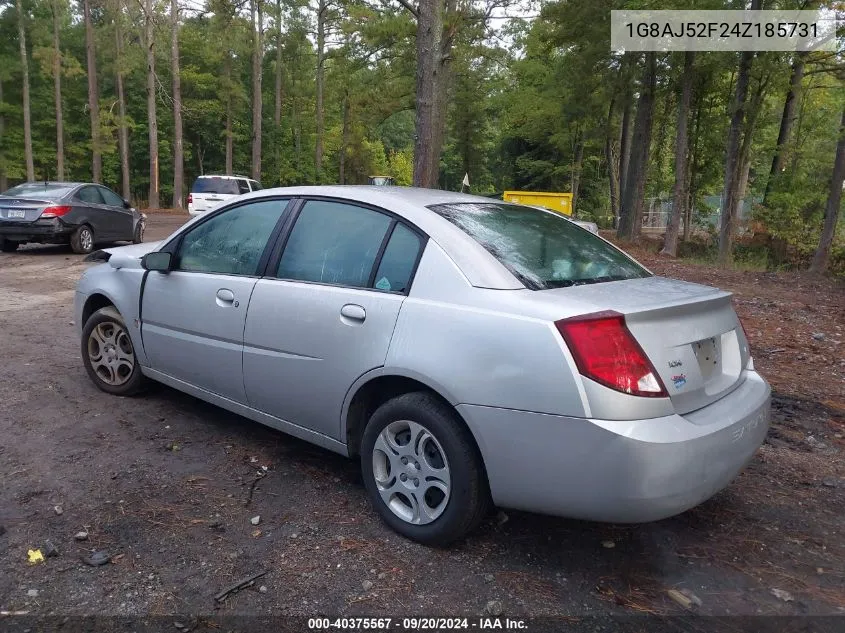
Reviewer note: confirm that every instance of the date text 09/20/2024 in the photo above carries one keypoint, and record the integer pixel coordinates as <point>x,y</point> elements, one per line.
<point>416,624</point>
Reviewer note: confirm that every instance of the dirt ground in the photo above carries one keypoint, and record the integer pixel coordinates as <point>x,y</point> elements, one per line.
<point>167,485</point>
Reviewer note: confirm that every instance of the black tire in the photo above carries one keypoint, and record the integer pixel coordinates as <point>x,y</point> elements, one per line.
<point>131,382</point>
<point>469,497</point>
<point>7,246</point>
<point>82,240</point>
<point>138,235</point>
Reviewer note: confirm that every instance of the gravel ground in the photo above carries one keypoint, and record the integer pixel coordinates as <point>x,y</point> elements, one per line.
<point>168,485</point>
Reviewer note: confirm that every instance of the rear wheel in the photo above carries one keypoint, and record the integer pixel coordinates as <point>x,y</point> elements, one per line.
<point>82,240</point>
<point>422,470</point>
<point>7,246</point>
<point>108,355</point>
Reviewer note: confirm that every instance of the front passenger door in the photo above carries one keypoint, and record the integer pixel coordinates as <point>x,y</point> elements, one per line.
<point>193,317</point>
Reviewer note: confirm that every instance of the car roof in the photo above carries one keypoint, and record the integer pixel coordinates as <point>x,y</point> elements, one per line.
<point>230,176</point>
<point>411,203</point>
<point>56,183</point>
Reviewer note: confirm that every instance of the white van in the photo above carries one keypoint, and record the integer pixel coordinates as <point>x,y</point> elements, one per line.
<point>210,191</point>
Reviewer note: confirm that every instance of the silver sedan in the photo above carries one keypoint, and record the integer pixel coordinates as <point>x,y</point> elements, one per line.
<point>469,352</point>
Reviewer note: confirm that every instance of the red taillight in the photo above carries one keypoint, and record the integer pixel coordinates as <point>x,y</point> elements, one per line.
<point>55,212</point>
<point>190,198</point>
<point>605,351</point>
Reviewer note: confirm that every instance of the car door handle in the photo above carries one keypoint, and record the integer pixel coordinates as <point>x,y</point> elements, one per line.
<point>226,297</point>
<point>354,312</point>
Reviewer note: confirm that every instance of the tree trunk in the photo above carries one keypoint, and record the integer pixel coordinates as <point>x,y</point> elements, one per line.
<point>227,73</point>
<point>733,162</point>
<point>434,45</point>
<point>122,127</point>
<point>344,139</point>
<point>4,180</point>
<point>834,201</point>
<point>612,165</point>
<point>624,143</point>
<point>277,113</point>
<point>93,94</point>
<point>178,153</point>
<point>257,65</point>
<point>277,102</point>
<point>577,163</point>
<point>322,7</point>
<point>152,122</point>
<point>786,121</point>
<point>630,220</point>
<point>680,194</point>
<point>57,92</point>
<point>27,121</point>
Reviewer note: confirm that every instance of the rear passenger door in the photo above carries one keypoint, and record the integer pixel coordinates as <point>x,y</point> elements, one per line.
<point>324,314</point>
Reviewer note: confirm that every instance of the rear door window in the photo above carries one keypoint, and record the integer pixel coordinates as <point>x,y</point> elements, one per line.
<point>334,243</point>
<point>89,195</point>
<point>243,186</point>
<point>212,184</point>
<point>541,248</point>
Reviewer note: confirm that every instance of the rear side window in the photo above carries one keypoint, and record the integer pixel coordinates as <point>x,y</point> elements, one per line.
<point>397,263</point>
<point>243,186</point>
<point>215,185</point>
<point>91,195</point>
<point>541,248</point>
<point>333,243</point>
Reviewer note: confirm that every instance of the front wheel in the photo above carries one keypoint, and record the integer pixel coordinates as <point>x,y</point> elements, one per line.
<point>82,240</point>
<point>422,470</point>
<point>138,234</point>
<point>108,354</point>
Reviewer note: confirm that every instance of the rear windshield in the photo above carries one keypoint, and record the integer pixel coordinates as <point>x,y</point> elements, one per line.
<point>38,190</point>
<point>541,248</point>
<point>216,185</point>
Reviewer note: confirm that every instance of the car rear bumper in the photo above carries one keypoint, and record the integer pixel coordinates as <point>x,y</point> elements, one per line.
<point>37,231</point>
<point>619,471</point>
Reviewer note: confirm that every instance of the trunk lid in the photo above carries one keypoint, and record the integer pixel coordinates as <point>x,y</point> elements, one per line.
<point>689,332</point>
<point>21,209</point>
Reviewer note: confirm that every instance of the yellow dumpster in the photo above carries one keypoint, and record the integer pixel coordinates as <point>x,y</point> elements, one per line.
<point>560,202</point>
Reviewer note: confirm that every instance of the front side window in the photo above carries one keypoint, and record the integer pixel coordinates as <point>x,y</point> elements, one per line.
<point>335,243</point>
<point>91,195</point>
<point>256,186</point>
<point>111,198</point>
<point>541,248</point>
<point>231,242</point>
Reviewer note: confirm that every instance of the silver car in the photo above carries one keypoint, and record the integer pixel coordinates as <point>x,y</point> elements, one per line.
<point>469,352</point>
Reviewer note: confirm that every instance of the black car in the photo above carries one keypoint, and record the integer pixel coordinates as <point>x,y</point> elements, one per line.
<point>82,214</point>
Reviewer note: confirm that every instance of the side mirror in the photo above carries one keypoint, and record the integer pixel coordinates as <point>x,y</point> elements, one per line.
<point>157,260</point>
<point>127,204</point>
